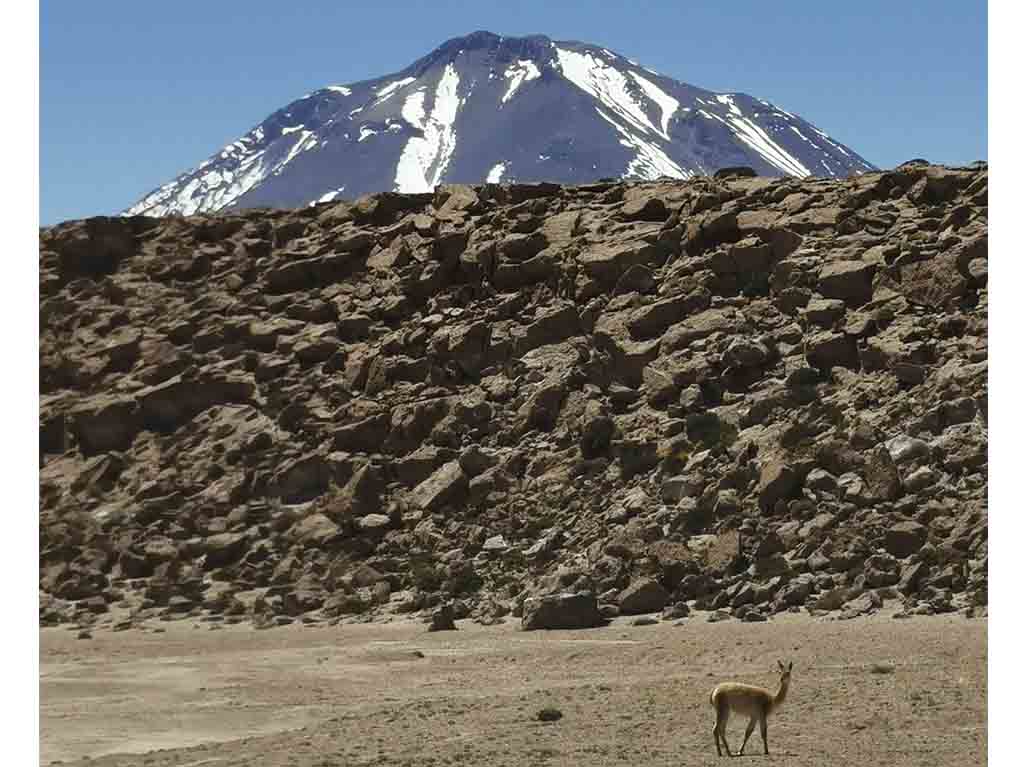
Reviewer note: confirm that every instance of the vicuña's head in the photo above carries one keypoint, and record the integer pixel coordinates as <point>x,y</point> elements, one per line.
<point>785,671</point>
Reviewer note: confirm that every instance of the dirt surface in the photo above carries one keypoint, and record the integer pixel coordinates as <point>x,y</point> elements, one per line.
<point>866,691</point>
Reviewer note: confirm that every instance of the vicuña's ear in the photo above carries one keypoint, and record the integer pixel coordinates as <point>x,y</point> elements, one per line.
<point>781,667</point>
<point>791,665</point>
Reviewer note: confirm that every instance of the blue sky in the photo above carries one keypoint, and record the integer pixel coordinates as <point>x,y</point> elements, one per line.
<point>131,94</point>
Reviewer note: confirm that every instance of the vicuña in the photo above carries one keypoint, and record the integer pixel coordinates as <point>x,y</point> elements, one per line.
<point>754,702</point>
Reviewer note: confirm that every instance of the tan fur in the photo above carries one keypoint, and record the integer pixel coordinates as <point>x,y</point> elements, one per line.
<point>756,703</point>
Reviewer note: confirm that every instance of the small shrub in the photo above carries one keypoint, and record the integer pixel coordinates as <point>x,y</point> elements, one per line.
<point>549,714</point>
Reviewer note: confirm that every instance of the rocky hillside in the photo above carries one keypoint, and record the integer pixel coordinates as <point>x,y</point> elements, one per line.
<point>732,394</point>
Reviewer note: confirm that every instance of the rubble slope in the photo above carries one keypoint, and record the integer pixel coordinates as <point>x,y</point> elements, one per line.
<point>735,393</point>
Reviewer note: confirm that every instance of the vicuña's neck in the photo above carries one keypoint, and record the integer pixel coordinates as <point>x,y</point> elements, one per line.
<point>780,696</point>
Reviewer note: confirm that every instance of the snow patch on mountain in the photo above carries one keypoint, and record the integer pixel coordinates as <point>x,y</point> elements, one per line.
<point>521,72</point>
<point>383,94</point>
<point>607,84</point>
<point>425,158</point>
<point>243,168</point>
<point>726,98</point>
<point>830,141</point>
<point>668,104</point>
<point>754,137</point>
<point>330,196</point>
<point>203,192</point>
<point>412,109</point>
<point>306,141</point>
<point>495,174</point>
<point>796,130</point>
<point>650,161</point>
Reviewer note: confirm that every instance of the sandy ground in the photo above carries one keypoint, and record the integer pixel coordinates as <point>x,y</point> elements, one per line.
<point>394,694</point>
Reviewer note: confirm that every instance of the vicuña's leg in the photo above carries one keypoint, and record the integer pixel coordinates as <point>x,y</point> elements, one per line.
<point>725,743</point>
<point>721,720</point>
<point>764,733</point>
<point>750,729</point>
<point>716,728</point>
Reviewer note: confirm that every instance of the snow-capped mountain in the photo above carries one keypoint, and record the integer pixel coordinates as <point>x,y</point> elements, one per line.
<point>499,109</point>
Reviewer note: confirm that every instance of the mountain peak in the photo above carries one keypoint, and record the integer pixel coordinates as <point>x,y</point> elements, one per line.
<point>484,39</point>
<point>484,107</point>
<point>527,47</point>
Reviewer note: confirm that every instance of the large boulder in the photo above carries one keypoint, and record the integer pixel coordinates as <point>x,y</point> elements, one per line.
<point>363,435</point>
<point>864,604</point>
<point>643,596</point>
<point>511,275</point>
<point>628,357</point>
<point>607,262</point>
<point>446,486</point>
<point>935,283</point>
<point>96,246</point>
<point>780,479</point>
<point>301,479</point>
<point>847,280</point>
<point>225,548</point>
<point>105,423</point>
<point>744,352</point>
<point>561,611</point>
<point>597,430</point>
<point>905,538</point>
<point>540,411</point>
<point>552,326</point>
<point>315,531</point>
<point>826,350</point>
<point>746,257</point>
<point>167,406</point>
<point>904,449</point>
<point>466,345</point>
<point>644,205</point>
<point>706,323</point>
